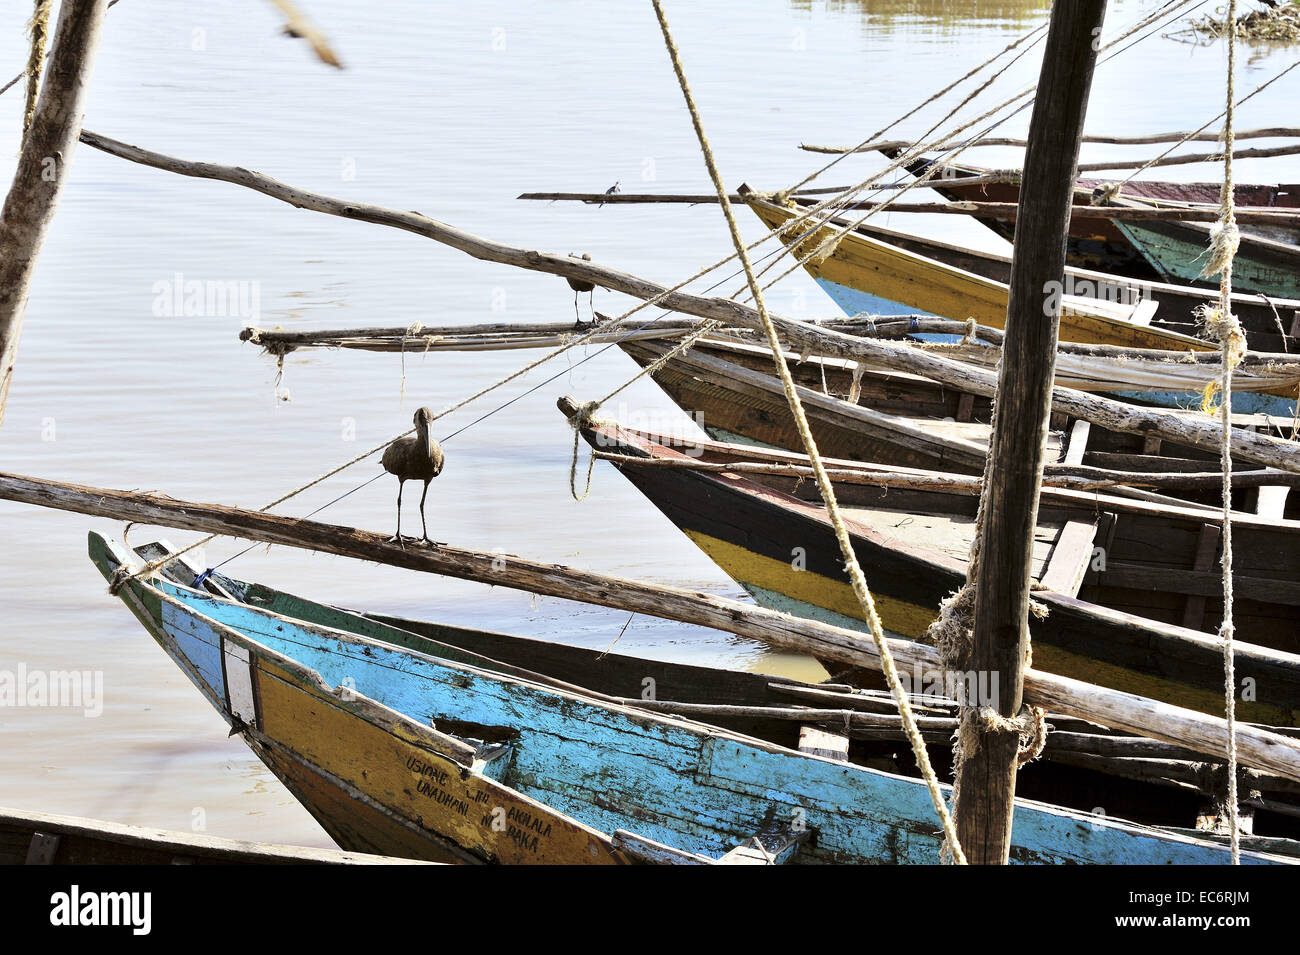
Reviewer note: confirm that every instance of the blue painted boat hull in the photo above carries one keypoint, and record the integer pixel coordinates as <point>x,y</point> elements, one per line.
<point>606,767</point>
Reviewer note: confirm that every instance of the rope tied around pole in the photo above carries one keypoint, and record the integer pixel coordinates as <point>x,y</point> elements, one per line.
<point>1030,725</point>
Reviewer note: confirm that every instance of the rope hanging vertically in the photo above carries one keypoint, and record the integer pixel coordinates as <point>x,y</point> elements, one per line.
<point>810,445</point>
<point>1223,325</point>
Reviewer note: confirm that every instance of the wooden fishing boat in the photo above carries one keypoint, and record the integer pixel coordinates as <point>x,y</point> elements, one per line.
<point>1105,244</point>
<point>1179,251</point>
<point>1144,781</point>
<point>905,420</point>
<point>43,838</point>
<point>866,274</point>
<point>1132,588</point>
<point>1271,324</point>
<point>388,746</point>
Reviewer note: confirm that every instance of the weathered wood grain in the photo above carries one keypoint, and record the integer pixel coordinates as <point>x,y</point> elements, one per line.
<point>1259,748</point>
<point>1111,414</point>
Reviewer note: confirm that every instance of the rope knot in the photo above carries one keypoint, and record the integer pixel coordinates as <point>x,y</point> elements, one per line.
<point>1224,239</point>
<point>1104,193</point>
<point>1030,724</point>
<point>120,576</point>
<point>826,248</point>
<point>782,198</point>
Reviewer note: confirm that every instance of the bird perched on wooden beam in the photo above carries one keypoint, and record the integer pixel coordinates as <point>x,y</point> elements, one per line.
<point>580,285</point>
<point>416,457</point>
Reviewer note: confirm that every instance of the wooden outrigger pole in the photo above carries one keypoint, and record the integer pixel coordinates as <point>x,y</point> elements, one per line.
<point>991,210</point>
<point>989,747</point>
<point>1116,415</point>
<point>1258,748</point>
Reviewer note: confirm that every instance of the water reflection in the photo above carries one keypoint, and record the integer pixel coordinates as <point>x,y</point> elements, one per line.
<point>939,17</point>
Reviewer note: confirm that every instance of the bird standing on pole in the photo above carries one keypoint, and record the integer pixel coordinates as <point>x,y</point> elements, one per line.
<point>416,457</point>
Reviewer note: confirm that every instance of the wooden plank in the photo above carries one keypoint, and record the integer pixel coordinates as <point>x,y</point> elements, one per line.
<point>819,742</point>
<point>44,846</point>
<point>766,848</point>
<point>1200,584</point>
<point>1144,312</point>
<point>1270,501</point>
<point>965,406</point>
<point>649,852</point>
<point>1078,443</point>
<point>82,841</point>
<point>1070,558</point>
<point>1207,547</point>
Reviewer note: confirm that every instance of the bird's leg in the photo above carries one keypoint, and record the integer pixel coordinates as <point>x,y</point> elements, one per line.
<point>398,536</point>
<point>423,524</point>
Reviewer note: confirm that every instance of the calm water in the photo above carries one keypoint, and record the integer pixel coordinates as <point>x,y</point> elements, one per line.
<point>451,109</point>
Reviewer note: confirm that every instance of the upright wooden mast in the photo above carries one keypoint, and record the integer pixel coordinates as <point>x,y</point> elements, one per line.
<point>987,774</point>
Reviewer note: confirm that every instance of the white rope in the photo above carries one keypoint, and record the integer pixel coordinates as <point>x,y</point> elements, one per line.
<point>1225,327</point>
<point>810,446</point>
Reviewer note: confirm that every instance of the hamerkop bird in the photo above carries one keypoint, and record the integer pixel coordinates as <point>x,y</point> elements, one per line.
<point>417,457</point>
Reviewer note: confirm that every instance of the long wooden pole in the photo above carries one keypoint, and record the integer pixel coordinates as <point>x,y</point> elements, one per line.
<point>986,775</point>
<point>1258,748</point>
<point>1186,159</point>
<point>1115,415</point>
<point>1267,132</point>
<point>43,169</point>
<point>989,210</point>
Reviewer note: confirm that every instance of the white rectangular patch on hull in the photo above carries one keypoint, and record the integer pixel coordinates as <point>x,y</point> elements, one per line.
<point>241,701</point>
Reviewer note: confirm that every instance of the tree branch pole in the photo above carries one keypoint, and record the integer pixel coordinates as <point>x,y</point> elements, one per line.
<point>986,773</point>
<point>43,169</point>
<point>1267,132</point>
<point>1115,415</point>
<point>1258,748</point>
<point>1188,158</point>
<point>989,210</point>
